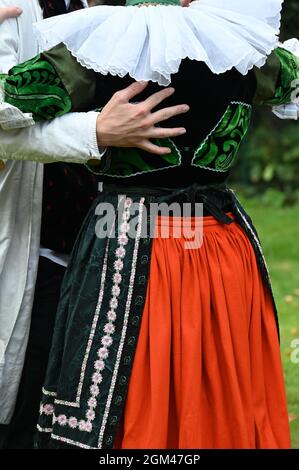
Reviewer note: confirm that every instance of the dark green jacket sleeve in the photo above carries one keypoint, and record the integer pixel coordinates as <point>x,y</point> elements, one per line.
<point>278,79</point>
<point>50,85</point>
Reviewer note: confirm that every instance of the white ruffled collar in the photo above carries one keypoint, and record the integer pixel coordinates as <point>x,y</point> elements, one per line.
<point>149,43</point>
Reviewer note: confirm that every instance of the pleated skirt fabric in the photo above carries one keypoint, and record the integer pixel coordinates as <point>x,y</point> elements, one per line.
<point>207,371</point>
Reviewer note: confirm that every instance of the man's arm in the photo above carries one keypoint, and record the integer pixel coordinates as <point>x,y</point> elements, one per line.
<point>71,138</point>
<point>125,124</point>
<point>76,137</point>
<point>54,83</point>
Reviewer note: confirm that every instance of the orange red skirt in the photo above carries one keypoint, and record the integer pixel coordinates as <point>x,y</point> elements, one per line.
<point>207,371</point>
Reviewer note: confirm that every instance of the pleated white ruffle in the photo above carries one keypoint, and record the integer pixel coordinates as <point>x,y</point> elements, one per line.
<point>149,42</point>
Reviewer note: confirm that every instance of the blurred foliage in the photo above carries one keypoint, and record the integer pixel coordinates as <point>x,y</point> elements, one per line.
<point>278,231</point>
<point>269,159</point>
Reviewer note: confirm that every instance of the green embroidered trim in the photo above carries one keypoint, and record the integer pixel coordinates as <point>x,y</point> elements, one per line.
<point>127,162</point>
<point>218,150</point>
<point>35,87</point>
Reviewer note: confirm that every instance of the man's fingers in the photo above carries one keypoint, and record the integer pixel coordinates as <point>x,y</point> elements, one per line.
<point>167,113</point>
<point>163,133</point>
<point>155,99</point>
<point>155,149</point>
<point>132,90</point>
<point>9,12</point>
<point>172,132</point>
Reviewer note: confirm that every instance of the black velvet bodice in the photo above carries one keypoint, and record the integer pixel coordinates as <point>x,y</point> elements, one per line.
<point>208,96</point>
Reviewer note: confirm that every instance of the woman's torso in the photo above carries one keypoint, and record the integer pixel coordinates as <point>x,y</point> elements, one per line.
<point>219,116</point>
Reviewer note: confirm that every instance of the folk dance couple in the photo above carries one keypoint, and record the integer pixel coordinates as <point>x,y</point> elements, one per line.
<point>156,345</point>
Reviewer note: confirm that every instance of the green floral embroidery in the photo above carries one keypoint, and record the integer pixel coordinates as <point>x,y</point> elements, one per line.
<point>35,87</point>
<point>218,150</point>
<point>287,79</point>
<point>131,162</point>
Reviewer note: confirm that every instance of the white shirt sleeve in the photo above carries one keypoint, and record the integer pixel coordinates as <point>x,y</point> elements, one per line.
<point>70,138</point>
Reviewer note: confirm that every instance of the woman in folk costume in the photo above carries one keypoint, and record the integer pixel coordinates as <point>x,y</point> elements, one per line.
<point>160,343</point>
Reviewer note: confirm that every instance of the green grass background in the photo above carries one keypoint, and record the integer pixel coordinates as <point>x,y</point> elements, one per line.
<point>279,232</point>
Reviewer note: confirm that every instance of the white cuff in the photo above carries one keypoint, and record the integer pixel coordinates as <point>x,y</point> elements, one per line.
<point>10,116</point>
<point>287,111</point>
<point>96,152</point>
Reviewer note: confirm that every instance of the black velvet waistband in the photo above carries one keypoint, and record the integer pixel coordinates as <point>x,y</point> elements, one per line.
<point>216,199</point>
